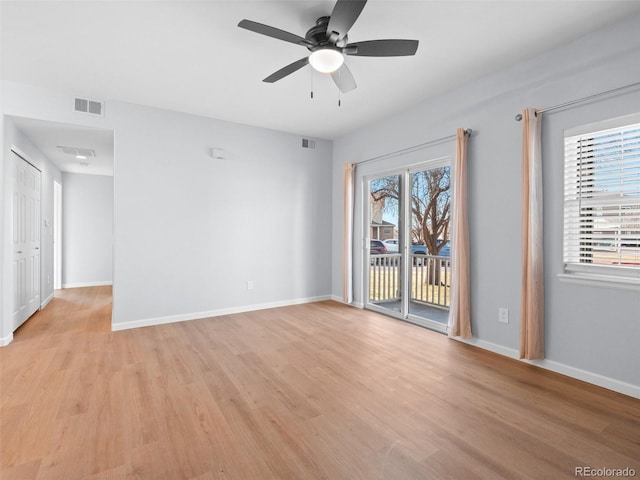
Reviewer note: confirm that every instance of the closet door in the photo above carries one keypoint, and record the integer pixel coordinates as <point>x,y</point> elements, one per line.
<point>25,239</point>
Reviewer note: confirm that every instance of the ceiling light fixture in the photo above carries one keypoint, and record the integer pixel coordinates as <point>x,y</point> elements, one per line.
<point>81,157</point>
<point>326,60</point>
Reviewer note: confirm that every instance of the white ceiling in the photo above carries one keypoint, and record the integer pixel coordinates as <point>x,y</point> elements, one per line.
<point>190,56</point>
<point>47,136</point>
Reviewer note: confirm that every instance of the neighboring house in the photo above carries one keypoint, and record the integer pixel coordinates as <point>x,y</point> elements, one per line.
<point>382,230</point>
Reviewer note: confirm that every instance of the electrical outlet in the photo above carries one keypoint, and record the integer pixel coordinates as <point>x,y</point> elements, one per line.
<point>249,284</point>
<point>503,315</point>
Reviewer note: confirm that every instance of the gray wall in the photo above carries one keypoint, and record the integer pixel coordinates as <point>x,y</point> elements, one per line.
<point>87,230</point>
<point>591,330</point>
<point>191,230</point>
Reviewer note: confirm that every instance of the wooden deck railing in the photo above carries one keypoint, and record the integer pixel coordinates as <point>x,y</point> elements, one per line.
<point>429,280</point>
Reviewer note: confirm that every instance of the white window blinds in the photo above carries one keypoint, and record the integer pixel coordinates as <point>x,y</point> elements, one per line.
<point>602,200</point>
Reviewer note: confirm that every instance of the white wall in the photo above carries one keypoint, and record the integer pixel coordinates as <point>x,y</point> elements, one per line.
<point>190,230</point>
<point>15,138</point>
<point>591,333</point>
<point>87,230</point>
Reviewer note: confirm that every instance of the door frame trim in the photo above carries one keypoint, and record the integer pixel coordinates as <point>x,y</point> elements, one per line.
<point>26,158</point>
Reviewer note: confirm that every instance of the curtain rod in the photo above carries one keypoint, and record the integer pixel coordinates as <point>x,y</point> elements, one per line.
<point>583,99</point>
<point>468,132</point>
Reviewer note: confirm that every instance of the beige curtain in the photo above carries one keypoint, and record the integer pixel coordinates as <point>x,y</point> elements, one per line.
<point>347,241</point>
<point>532,305</point>
<point>460,300</point>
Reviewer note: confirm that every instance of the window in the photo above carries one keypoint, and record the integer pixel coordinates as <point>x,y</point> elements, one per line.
<point>602,200</point>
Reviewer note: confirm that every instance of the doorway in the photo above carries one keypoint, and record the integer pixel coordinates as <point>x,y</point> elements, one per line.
<point>25,211</point>
<point>407,270</point>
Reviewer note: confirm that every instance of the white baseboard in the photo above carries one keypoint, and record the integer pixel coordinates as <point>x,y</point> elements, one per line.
<point>338,299</point>
<point>4,341</point>
<point>148,322</point>
<point>557,367</point>
<point>86,284</point>
<point>46,301</point>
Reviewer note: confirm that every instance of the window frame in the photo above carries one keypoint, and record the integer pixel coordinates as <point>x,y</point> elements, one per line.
<point>574,269</point>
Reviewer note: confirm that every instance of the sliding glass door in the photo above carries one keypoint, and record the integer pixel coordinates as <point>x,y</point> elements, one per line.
<point>431,266</point>
<point>385,265</point>
<point>407,265</point>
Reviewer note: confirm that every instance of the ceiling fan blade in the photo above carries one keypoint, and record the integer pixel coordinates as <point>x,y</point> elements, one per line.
<point>383,48</point>
<point>344,15</point>
<point>288,70</point>
<point>273,32</point>
<point>344,79</point>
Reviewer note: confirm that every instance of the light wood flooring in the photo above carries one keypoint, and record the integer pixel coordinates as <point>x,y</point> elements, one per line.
<point>318,391</point>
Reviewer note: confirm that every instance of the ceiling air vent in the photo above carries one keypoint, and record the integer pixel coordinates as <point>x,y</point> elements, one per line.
<point>77,152</point>
<point>307,143</point>
<point>92,107</point>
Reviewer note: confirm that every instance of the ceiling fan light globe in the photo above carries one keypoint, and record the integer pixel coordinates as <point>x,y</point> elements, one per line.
<point>326,60</point>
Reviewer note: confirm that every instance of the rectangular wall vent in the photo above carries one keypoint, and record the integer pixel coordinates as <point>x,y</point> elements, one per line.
<point>307,143</point>
<point>95,107</point>
<point>85,105</point>
<point>81,105</point>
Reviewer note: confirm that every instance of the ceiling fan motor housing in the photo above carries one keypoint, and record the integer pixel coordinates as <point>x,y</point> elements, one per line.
<point>318,35</point>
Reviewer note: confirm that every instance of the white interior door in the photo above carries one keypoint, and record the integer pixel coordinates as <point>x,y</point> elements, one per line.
<point>25,239</point>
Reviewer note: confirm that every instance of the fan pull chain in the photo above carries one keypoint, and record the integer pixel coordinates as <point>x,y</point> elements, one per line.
<point>311,70</point>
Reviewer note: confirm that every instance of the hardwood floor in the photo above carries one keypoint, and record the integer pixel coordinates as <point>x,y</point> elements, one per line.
<point>318,391</point>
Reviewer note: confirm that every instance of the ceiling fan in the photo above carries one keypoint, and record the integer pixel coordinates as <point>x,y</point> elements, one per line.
<point>328,43</point>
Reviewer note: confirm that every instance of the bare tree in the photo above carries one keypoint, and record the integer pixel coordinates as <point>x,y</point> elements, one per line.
<point>430,204</point>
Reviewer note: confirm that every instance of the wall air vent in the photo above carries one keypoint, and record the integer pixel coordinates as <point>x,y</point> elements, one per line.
<point>307,143</point>
<point>85,105</point>
<point>77,152</point>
